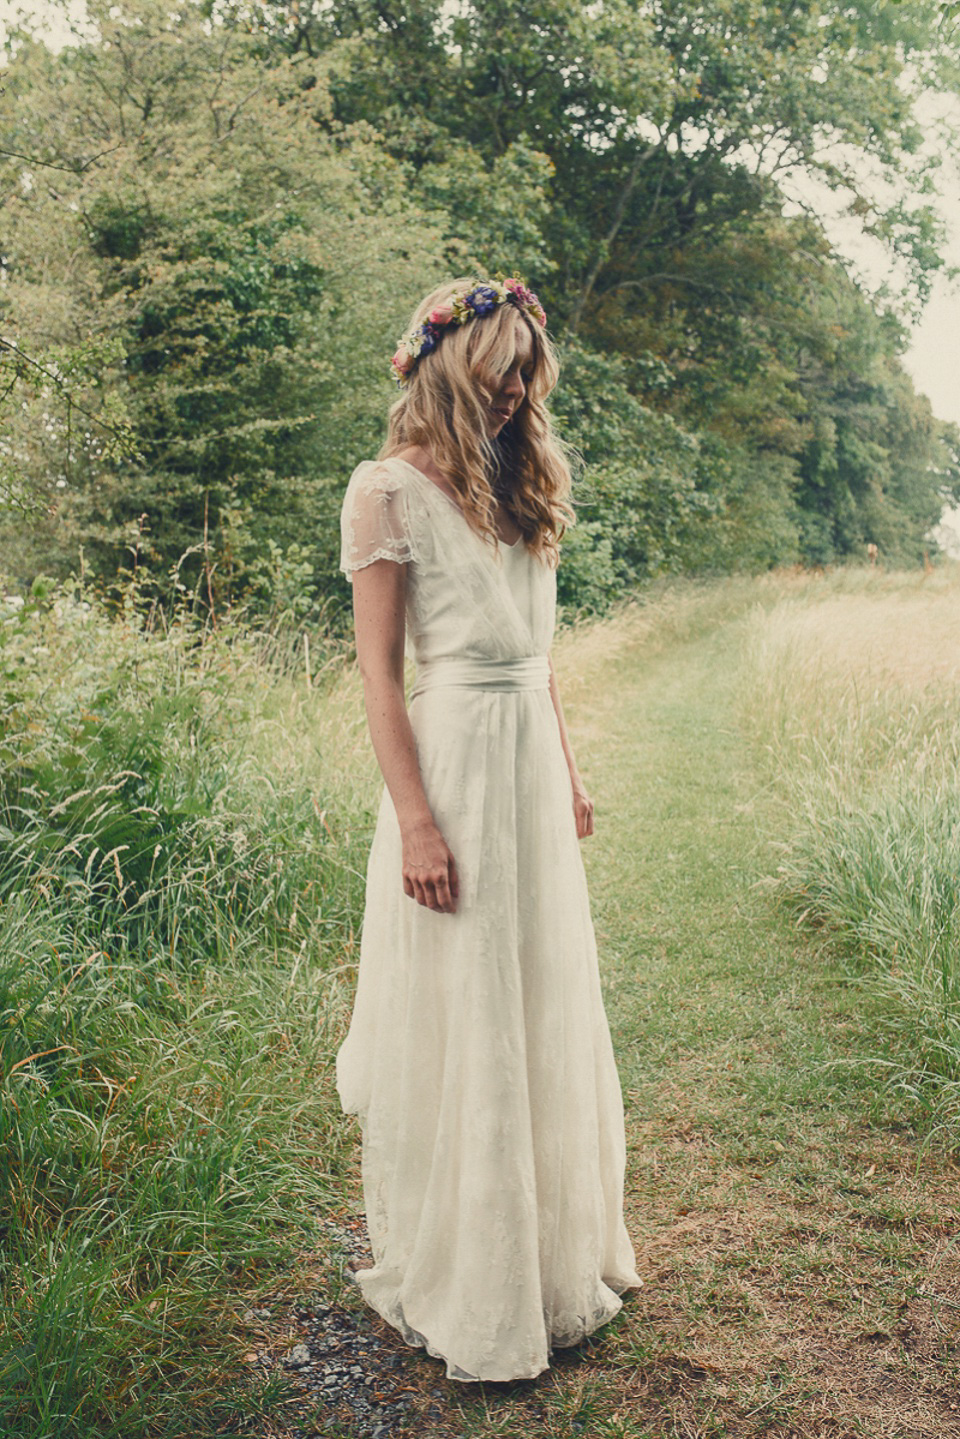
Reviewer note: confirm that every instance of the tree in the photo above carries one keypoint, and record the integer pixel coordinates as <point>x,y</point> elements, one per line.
<point>240,273</point>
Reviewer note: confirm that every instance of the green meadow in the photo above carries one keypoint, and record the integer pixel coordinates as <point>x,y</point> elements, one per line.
<point>185,821</point>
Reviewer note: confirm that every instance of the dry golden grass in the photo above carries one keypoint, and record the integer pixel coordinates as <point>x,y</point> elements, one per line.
<point>901,640</point>
<point>899,636</point>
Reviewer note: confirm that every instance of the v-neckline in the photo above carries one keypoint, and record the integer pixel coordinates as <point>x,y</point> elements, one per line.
<point>495,573</point>
<point>434,486</point>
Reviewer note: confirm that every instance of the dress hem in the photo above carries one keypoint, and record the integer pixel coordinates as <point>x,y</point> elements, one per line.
<point>395,1318</point>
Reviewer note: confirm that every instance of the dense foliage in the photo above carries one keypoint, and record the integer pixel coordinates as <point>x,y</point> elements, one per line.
<point>217,221</point>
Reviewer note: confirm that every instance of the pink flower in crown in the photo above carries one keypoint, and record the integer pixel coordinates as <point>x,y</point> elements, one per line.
<point>402,361</point>
<point>520,290</point>
<point>526,299</point>
<point>442,315</point>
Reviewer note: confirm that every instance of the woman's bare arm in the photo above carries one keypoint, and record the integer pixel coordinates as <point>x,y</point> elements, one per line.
<point>582,803</point>
<point>429,869</point>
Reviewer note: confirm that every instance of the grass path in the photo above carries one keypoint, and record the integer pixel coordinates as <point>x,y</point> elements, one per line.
<point>796,1238</point>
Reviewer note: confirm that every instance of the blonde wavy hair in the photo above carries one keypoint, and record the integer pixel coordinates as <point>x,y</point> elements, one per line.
<point>443,408</point>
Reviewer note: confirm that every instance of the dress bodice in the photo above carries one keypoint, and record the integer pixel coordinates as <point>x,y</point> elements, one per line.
<point>465,597</point>
<point>520,572</point>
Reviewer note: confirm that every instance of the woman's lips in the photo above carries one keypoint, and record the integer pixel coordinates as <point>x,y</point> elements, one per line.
<point>502,413</point>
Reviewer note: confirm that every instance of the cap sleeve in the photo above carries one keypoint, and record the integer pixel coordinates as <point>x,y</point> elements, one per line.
<point>375,522</point>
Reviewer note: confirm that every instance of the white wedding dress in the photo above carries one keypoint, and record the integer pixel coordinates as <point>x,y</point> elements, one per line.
<point>478,1057</point>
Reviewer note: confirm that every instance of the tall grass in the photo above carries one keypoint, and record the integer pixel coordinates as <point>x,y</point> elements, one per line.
<point>852,685</point>
<point>183,824</point>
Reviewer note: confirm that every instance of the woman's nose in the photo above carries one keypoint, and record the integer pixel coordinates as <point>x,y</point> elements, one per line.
<point>513,384</point>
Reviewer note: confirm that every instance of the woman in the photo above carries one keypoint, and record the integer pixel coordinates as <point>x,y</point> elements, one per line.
<point>478,1057</point>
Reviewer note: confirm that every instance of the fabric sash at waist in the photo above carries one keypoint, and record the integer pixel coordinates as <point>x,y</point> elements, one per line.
<point>530,672</point>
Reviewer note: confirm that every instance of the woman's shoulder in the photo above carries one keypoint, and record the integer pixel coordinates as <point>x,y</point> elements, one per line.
<point>379,476</point>
<point>377,518</point>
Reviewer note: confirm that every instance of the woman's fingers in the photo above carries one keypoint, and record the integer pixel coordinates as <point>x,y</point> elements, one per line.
<point>583,812</point>
<point>443,891</point>
<point>429,869</point>
<point>445,887</point>
<point>433,888</point>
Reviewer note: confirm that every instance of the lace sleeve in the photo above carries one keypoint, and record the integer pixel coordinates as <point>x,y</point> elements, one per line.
<point>374,522</point>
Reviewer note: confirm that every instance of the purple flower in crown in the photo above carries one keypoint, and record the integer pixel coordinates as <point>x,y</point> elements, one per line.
<point>483,300</point>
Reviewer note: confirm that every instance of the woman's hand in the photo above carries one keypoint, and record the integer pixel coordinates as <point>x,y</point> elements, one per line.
<point>582,803</point>
<point>429,869</point>
<point>582,809</point>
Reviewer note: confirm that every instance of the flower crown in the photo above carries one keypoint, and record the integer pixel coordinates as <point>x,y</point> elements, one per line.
<point>462,306</point>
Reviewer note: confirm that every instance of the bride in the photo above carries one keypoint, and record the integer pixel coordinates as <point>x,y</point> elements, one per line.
<point>478,1057</point>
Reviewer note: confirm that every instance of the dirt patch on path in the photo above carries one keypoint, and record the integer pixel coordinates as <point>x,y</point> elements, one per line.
<point>812,1317</point>
<point>799,1308</point>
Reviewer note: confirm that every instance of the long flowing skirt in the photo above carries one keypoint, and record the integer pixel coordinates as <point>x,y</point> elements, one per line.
<point>479,1059</point>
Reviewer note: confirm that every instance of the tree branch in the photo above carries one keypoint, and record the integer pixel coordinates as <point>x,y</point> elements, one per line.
<point>13,349</point>
<point>77,168</point>
<point>603,249</point>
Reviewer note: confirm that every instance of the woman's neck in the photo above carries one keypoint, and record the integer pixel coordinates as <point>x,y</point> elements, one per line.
<point>421,459</point>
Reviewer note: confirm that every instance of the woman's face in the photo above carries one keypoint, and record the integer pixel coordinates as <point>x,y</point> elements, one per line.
<point>511,390</point>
